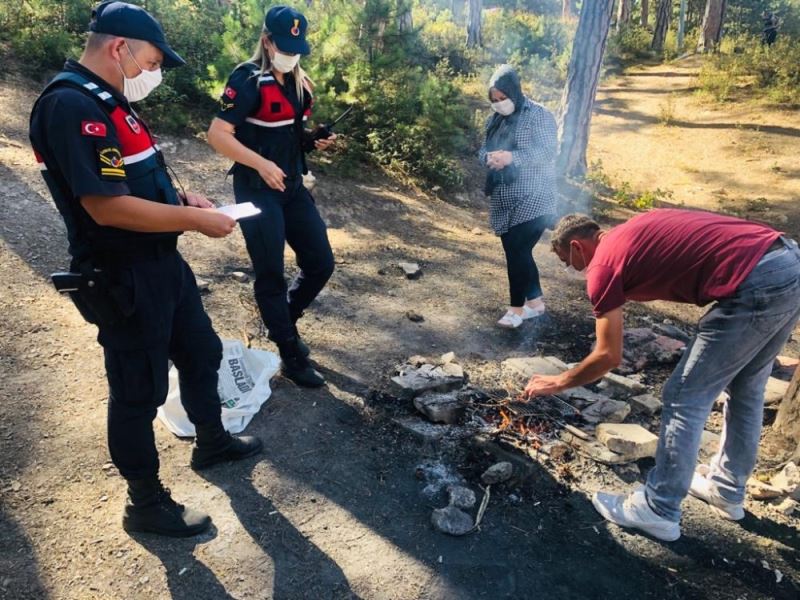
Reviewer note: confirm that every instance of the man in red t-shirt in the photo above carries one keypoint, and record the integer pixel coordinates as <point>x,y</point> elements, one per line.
<point>752,275</point>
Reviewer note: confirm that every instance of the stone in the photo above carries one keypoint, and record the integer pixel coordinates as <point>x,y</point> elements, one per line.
<point>557,362</point>
<point>414,317</point>
<point>581,397</point>
<point>447,358</point>
<point>621,386</point>
<point>477,231</point>
<point>721,401</point>
<point>709,444</point>
<point>202,284</point>
<point>788,480</point>
<point>599,453</point>
<point>775,390</point>
<point>461,497</point>
<point>410,270</point>
<point>646,403</point>
<point>670,331</point>
<point>240,276</point>
<point>758,490</point>
<point>527,367</point>
<point>413,381</point>
<point>453,370</point>
<point>497,473</point>
<point>606,410</point>
<point>630,441</point>
<point>787,507</point>
<point>417,360</point>
<point>452,521</point>
<point>422,430</point>
<point>440,408</point>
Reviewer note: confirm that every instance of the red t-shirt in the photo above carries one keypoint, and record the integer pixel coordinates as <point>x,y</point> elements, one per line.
<point>677,255</point>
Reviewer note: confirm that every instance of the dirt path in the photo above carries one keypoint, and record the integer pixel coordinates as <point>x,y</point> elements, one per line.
<point>333,508</point>
<point>652,130</point>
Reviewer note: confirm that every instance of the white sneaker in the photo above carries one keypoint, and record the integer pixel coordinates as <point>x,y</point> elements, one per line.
<point>532,313</point>
<point>705,489</point>
<point>510,320</point>
<point>632,510</point>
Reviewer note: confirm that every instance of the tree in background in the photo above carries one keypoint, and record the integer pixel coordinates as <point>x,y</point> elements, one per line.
<point>474,39</point>
<point>663,17</point>
<point>581,87</point>
<point>623,13</point>
<point>645,13</point>
<point>787,421</point>
<point>711,30</point>
<point>681,24</point>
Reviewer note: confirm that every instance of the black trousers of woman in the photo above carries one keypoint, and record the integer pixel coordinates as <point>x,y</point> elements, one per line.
<point>523,275</point>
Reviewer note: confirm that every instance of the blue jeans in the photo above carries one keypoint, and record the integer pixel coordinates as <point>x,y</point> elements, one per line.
<point>523,275</point>
<point>286,217</point>
<point>735,347</point>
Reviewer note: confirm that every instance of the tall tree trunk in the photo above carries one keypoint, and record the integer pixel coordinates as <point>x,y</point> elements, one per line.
<point>474,38</point>
<point>579,93</point>
<point>787,422</point>
<point>645,13</point>
<point>404,20</point>
<point>711,30</point>
<point>682,24</point>
<point>623,13</point>
<point>663,17</point>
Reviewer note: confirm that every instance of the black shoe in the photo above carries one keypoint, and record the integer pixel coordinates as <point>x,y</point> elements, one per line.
<point>214,445</point>
<point>296,367</point>
<point>151,509</point>
<point>304,350</point>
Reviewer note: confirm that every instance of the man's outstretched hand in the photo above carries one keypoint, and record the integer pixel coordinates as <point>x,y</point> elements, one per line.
<point>543,385</point>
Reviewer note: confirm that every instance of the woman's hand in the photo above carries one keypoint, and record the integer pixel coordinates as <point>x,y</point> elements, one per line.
<point>499,159</point>
<point>325,143</point>
<point>273,175</point>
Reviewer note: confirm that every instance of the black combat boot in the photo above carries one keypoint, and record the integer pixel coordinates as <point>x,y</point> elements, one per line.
<point>296,367</point>
<point>214,445</point>
<point>151,509</point>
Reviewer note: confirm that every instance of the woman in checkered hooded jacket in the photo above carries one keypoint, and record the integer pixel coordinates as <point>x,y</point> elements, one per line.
<point>518,154</point>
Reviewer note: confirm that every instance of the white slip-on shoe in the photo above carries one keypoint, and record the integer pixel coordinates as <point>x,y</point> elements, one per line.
<point>706,490</point>
<point>510,320</point>
<point>632,510</point>
<point>532,313</point>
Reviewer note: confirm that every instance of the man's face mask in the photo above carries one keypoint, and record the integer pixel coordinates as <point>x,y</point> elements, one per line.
<point>139,87</point>
<point>503,107</point>
<point>571,271</point>
<point>284,63</point>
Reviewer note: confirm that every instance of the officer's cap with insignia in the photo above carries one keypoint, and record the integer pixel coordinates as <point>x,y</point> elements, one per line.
<point>131,21</point>
<point>287,28</point>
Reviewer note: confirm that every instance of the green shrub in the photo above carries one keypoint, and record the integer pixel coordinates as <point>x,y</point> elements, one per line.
<point>630,43</point>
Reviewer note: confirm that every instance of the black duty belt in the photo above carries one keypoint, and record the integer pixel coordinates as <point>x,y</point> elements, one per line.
<point>136,253</point>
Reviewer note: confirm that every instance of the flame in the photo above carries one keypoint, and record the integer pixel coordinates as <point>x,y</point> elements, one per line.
<point>507,421</point>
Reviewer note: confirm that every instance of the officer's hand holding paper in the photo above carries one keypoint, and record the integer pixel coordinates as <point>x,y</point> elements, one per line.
<point>240,211</point>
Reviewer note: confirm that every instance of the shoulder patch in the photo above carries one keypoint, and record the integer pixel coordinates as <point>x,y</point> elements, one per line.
<point>110,162</point>
<point>94,129</point>
<point>230,93</point>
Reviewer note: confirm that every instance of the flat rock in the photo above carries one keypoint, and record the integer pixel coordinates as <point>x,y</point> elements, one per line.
<point>721,401</point>
<point>452,521</point>
<point>709,444</point>
<point>497,473</point>
<point>673,332</point>
<point>758,490</point>
<point>581,397</point>
<point>461,497</point>
<point>440,408</point>
<point>631,441</point>
<point>621,386</point>
<point>411,270</point>
<point>775,390</point>
<point>202,284</point>
<point>788,480</point>
<point>606,410</point>
<point>646,403</point>
<point>240,276</point>
<point>447,358</point>
<point>422,430</point>
<point>413,381</point>
<point>787,507</point>
<point>528,366</point>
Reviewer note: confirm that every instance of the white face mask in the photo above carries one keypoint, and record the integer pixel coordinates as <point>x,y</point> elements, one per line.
<point>504,107</point>
<point>285,63</point>
<point>139,87</point>
<point>572,272</point>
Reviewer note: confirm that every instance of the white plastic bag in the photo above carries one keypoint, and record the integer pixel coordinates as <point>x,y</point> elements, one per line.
<point>243,387</point>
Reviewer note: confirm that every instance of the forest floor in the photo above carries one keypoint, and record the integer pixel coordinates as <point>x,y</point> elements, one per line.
<point>334,507</point>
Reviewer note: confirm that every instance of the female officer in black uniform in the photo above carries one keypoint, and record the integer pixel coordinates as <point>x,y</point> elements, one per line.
<point>260,126</point>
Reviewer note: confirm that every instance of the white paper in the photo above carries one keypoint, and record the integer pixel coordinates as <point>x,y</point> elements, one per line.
<point>240,211</point>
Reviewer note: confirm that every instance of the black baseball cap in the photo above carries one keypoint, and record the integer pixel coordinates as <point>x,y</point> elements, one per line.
<point>287,28</point>
<point>134,22</point>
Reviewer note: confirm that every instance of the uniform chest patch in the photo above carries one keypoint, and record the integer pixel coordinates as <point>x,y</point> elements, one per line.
<point>133,124</point>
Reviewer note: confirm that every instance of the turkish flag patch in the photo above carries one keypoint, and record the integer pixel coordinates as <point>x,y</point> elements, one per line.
<point>93,128</point>
<point>230,92</point>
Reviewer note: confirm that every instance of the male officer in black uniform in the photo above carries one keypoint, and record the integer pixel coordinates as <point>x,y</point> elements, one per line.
<point>123,217</point>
